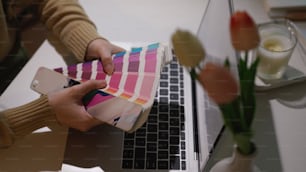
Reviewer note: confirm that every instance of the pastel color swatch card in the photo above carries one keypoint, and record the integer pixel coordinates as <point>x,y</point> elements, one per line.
<point>130,89</point>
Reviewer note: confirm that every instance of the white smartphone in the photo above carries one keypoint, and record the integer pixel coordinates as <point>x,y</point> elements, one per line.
<point>113,110</point>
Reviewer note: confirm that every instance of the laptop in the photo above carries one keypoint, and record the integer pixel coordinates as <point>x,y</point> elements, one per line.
<point>182,127</point>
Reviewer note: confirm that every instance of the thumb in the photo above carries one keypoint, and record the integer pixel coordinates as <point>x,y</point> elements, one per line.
<point>90,85</point>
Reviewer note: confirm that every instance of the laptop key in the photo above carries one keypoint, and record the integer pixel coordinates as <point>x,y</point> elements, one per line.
<point>174,131</point>
<point>163,108</point>
<point>152,119</point>
<point>140,153</point>
<point>182,94</point>
<point>174,80</point>
<point>128,143</point>
<point>128,154</point>
<point>163,92</point>
<point>129,135</point>
<point>162,165</point>
<point>174,105</point>
<point>163,100</point>
<point>182,135</point>
<point>162,154</point>
<point>174,88</point>
<point>127,164</point>
<point>183,145</point>
<point>163,145</point>
<point>175,162</point>
<point>163,126</point>
<point>165,69</point>
<point>182,117</point>
<point>140,141</point>
<point>139,164</point>
<point>153,110</point>
<point>163,84</point>
<point>141,132</point>
<point>174,149</point>
<point>174,113</point>
<point>151,146</point>
<point>163,117</point>
<point>173,73</point>
<point>174,140</point>
<point>183,154</point>
<point>174,96</point>
<point>152,137</point>
<point>151,156</point>
<point>163,135</point>
<point>173,65</point>
<point>174,122</point>
<point>151,164</point>
<point>182,126</point>
<point>164,76</point>
<point>183,165</point>
<point>152,128</point>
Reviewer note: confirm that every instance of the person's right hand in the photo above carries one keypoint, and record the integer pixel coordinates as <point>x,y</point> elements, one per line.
<point>69,109</point>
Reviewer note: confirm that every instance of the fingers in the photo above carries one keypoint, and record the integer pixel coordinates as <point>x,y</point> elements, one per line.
<point>104,50</point>
<point>106,58</point>
<point>108,65</point>
<point>90,85</point>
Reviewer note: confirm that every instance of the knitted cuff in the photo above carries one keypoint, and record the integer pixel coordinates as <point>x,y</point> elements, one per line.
<point>25,119</point>
<point>6,134</point>
<point>78,39</point>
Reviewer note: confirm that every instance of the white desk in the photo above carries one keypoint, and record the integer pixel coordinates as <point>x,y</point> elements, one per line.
<point>117,20</point>
<point>280,127</point>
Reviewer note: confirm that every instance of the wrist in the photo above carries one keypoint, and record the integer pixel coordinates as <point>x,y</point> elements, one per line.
<point>92,46</point>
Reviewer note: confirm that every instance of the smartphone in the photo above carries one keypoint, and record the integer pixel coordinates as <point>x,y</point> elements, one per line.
<point>108,108</point>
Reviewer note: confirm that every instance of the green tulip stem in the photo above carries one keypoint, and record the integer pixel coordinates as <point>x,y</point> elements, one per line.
<point>193,73</point>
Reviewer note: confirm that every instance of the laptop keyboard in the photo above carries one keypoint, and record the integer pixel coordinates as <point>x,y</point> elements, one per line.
<point>160,142</point>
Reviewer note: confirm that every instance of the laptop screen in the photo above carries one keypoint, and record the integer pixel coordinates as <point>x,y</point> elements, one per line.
<point>214,34</point>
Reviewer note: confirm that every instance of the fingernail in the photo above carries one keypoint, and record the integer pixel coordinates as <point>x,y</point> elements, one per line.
<point>109,69</point>
<point>102,83</point>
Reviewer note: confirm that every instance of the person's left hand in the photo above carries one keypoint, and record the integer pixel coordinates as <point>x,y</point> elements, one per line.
<point>103,49</point>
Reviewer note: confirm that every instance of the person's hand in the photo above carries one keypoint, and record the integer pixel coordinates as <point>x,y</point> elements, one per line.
<point>68,107</point>
<point>103,49</point>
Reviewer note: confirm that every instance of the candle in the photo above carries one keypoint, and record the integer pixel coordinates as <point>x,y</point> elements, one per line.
<point>274,52</point>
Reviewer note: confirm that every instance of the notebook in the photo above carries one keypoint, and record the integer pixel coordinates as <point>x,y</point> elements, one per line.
<point>293,9</point>
<point>182,126</point>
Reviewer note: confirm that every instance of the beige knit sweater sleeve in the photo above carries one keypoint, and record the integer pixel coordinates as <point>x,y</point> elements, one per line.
<point>69,24</point>
<point>17,122</point>
<point>65,20</point>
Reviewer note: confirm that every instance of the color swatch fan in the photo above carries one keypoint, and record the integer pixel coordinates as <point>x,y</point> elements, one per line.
<point>130,91</point>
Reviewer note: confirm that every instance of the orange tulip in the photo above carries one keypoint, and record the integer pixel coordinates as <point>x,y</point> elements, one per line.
<point>219,83</point>
<point>244,33</point>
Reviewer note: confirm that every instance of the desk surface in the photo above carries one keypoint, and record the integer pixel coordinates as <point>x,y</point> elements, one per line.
<point>279,125</point>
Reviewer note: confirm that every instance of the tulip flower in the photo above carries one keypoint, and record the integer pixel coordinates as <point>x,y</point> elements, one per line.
<point>235,98</point>
<point>244,33</point>
<point>219,83</point>
<point>187,48</point>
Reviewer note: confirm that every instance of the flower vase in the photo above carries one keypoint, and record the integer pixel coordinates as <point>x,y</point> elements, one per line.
<point>236,163</point>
